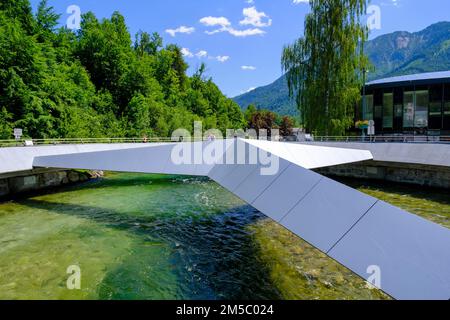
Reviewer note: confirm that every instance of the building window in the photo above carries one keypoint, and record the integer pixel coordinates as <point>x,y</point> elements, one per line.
<point>421,113</point>
<point>378,112</point>
<point>408,109</point>
<point>369,107</point>
<point>378,109</point>
<point>446,108</point>
<point>447,100</point>
<point>435,109</point>
<point>398,102</point>
<point>436,100</point>
<point>436,95</point>
<point>388,108</point>
<point>398,110</point>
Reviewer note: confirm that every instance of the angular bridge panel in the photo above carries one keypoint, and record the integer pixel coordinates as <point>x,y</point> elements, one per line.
<point>412,254</point>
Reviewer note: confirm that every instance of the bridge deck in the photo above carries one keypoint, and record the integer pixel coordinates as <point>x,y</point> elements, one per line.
<point>432,154</point>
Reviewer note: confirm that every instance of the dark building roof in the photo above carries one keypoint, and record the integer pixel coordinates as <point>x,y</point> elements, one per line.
<point>418,79</point>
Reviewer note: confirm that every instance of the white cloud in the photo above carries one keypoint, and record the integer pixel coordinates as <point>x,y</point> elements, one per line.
<point>251,17</point>
<point>182,29</point>
<point>215,21</point>
<point>222,58</point>
<point>300,1</point>
<point>248,68</point>
<point>201,54</point>
<point>255,18</point>
<point>246,32</point>
<point>186,53</point>
<point>236,32</point>
<point>395,3</point>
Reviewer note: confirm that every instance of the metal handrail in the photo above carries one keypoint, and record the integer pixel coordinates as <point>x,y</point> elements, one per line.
<point>41,142</point>
<point>389,138</point>
<point>345,139</point>
<point>65,141</point>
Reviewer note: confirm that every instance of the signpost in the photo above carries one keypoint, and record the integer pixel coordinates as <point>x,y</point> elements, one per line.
<point>18,133</point>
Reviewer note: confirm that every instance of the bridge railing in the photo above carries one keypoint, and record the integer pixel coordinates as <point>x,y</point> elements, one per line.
<point>42,142</point>
<point>49,142</point>
<point>355,139</point>
<point>378,139</point>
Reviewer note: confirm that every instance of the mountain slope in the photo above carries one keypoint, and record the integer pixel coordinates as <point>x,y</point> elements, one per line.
<point>402,52</point>
<point>274,97</point>
<point>393,54</point>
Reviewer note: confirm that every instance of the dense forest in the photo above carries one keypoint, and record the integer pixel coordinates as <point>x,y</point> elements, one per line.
<point>98,81</point>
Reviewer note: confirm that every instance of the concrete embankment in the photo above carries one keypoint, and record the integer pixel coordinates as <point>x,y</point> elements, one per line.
<point>417,164</point>
<point>17,175</point>
<point>422,175</point>
<point>36,180</point>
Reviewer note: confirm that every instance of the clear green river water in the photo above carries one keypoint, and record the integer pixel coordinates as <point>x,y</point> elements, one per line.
<point>164,237</point>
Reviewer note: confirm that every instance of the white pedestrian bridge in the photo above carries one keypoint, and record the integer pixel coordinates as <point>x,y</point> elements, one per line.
<point>406,256</point>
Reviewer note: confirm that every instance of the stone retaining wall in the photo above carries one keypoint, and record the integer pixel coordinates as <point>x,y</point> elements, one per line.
<point>429,176</point>
<point>33,181</point>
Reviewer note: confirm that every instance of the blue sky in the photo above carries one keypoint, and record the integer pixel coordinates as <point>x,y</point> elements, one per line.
<point>241,40</point>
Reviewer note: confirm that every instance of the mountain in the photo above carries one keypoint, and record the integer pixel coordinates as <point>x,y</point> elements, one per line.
<point>393,54</point>
<point>402,53</point>
<point>274,97</point>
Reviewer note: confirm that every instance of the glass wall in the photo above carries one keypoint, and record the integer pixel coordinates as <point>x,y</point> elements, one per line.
<point>408,109</point>
<point>419,108</point>
<point>446,109</point>
<point>421,112</point>
<point>435,119</point>
<point>378,109</point>
<point>388,110</point>
<point>398,109</point>
<point>369,107</point>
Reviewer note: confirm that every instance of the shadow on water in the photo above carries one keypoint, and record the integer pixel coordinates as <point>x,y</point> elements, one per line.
<point>211,257</point>
<point>112,180</point>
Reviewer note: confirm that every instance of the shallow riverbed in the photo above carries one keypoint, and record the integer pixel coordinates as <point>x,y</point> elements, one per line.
<point>165,237</point>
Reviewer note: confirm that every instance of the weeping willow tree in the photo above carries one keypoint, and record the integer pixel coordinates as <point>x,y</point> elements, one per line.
<point>324,68</point>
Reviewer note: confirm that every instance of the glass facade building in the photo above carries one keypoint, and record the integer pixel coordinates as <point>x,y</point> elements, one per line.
<point>417,103</point>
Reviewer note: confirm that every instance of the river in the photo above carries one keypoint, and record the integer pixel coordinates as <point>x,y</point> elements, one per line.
<point>166,237</point>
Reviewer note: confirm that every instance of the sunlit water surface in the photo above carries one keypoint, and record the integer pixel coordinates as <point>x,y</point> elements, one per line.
<point>165,237</point>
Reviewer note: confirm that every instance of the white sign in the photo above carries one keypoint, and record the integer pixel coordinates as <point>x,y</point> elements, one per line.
<point>18,133</point>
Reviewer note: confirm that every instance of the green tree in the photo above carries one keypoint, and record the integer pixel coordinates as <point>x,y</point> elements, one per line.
<point>286,126</point>
<point>5,124</point>
<point>55,83</point>
<point>104,49</point>
<point>324,67</point>
<point>251,109</point>
<point>46,20</point>
<point>146,43</point>
<point>263,120</point>
<point>21,11</point>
